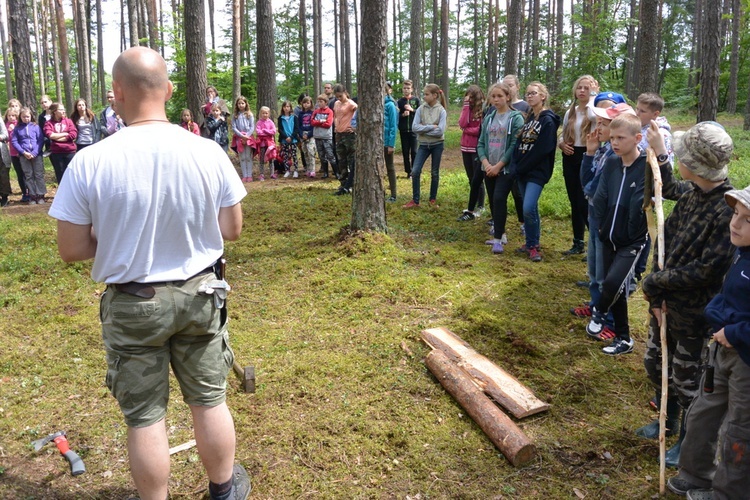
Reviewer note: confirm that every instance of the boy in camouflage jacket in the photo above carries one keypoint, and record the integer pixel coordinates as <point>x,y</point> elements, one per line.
<point>698,253</point>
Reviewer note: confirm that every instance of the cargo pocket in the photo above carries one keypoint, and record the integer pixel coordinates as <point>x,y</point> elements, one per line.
<point>133,315</point>
<point>228,352</point>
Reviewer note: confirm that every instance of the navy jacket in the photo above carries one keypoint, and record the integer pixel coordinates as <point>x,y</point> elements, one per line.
<point>534,157</point>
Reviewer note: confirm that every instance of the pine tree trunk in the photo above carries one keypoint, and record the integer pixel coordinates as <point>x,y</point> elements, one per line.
<point>317,48</point>
<point>648,39</point>
<point>41,66</point>
<point>153,25</point>
<point>492,47</point>
<point>303,44</point>
<point>82,49</point>
<point>515,18</point>
<point>415,45</point>
<point>444,80</point>
<point>629,69</point>
<point>368,197</point>
<point>734,58</point>
<point>558,45</point>
<point>357,47</point>
<point>434,56</point>
<point>100,54</point>
<point>265,54</point>
<point>458,37</point>
<point>9,90</point>
<point>194,34</point>
<point>236,54</point>
<point>346,58</point>
<point>64,54</point>
<point>55,49</point>
<point>133,22</point>
<point>18,31</point>
<point>708,104</point>
<point>142,22</point>
<point>476,33</point>
<point>336,40</point>
<point>212,26</point>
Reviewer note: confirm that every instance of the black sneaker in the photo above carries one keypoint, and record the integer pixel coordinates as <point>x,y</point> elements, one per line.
<point>391,199</point>
<point>576,249</point>
<point>341,191</point>
<point>241,487</point>
<point>679,486</point>
<point>4,200</point>
<point>619,346</point>
<point>467,215</point>
<point>703,494</point>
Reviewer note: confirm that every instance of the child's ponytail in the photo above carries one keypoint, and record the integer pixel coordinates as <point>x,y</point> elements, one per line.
<point>435,89</point>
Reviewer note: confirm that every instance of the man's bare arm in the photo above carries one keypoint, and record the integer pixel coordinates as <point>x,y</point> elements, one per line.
<point>230,222</point>
<point>75,242</point>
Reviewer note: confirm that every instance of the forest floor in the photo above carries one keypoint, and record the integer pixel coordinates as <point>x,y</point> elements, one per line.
<point>331,321</point>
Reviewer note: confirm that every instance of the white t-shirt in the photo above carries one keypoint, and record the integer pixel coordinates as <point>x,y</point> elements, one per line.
<point>152,194</point>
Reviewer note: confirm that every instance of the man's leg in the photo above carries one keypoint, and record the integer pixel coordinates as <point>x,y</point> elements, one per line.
<point>214,437</point>
<point>148,453</point>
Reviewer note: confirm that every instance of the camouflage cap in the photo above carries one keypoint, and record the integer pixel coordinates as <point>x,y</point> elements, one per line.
<point>741,195</point>
<point>705,149</point>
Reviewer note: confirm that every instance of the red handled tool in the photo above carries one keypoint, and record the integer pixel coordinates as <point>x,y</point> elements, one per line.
<point>76,464</point>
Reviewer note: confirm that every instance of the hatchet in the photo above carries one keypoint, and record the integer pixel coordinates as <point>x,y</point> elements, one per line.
<point>76,464</point>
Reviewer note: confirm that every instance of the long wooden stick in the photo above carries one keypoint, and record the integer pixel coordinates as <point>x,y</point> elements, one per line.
<point>659,209</point>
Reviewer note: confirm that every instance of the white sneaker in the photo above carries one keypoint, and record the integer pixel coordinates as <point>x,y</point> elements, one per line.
<point>504,239</point>
<point>296,174</point>
<point>619,346</point>
<point>287,174</point>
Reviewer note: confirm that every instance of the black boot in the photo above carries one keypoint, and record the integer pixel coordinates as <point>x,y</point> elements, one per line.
<point>651,431</point>
<point>576,249</point>
<point>3,199</point>
<point>672,456</point>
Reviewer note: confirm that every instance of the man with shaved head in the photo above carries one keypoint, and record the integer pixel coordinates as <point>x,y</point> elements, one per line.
<point>152,205</point>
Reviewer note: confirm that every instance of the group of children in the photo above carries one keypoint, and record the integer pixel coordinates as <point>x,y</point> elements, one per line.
<point>25,139</point>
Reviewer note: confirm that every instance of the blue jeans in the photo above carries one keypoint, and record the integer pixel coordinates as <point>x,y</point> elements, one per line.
<point>531,193</point>
<point>595,261</point>
<point>425,150</point>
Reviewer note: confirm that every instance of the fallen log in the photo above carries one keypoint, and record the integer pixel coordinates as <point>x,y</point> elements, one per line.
<point>503,387</point>
<point>501,430</point>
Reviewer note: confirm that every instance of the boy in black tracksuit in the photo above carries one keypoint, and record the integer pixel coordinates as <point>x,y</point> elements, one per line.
<point>618,208</point>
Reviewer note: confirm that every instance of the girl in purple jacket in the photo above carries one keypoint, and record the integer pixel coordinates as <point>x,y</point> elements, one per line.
<point>28,140</point>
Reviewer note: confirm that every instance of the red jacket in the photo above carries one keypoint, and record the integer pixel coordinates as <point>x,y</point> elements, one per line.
<point>471,128</point>
<point>67,145</point>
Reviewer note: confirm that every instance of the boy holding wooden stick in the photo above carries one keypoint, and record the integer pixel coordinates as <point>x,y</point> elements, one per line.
<point>697,254</point>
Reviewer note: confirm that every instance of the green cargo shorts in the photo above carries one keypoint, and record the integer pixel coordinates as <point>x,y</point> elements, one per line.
<point>143,337</point>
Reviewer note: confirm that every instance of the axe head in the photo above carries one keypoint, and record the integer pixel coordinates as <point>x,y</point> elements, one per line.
<point>39,443</point>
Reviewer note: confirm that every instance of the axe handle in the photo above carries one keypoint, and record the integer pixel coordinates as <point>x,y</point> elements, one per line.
<point>77,466</point>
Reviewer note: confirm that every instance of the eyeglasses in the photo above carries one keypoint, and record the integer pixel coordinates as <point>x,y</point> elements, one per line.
<point>531,94</point>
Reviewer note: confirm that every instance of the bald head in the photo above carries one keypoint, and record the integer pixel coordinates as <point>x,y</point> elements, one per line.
<point>142,68</point>
<point>139,80</point>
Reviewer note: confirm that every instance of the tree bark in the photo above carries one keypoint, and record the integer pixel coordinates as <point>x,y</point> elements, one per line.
<point>82,39</point>
<point>368,197</point>
<point>444,80</point>
<point>515,18</point>
<point>6,61</point>
<point>304,53</point>
<point>734,58</point>
<point>629,68</point>
<point>153,25</point>
<point>346,58</point>
<point>501,430</point>
<point>194,34</point>
<point>265,54</point>
<point>458,37</point>
<point>64,54</point>
<point>317,48</point>
<point>133,22</point>
<point>100,54</point>
<point>415,45</point>
<point>708,104</point>
<point>559,45</point>
<point>18,29</point>
<point>648,39</point>
<point>40,62</point>
<point>434,48</point>
<point>236,52</point>
<point>55,49</point>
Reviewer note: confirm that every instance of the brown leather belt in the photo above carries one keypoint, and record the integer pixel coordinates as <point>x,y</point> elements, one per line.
<point>148,290</point>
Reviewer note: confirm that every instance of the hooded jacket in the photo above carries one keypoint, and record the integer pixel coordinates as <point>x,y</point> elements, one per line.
<point>618,202</point>
<point>28,138</point>
<point>534,156</point>
<point>515,122</point>
<point>390,122</point>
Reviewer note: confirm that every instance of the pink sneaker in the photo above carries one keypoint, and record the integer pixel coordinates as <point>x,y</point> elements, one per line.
<point>274,176</point>
<point>249,179</point>
<point>312,175</point>
<point>411,204</point>
<point>262,178</point>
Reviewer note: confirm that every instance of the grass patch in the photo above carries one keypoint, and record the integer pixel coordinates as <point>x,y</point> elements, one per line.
<point>341,410</point>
